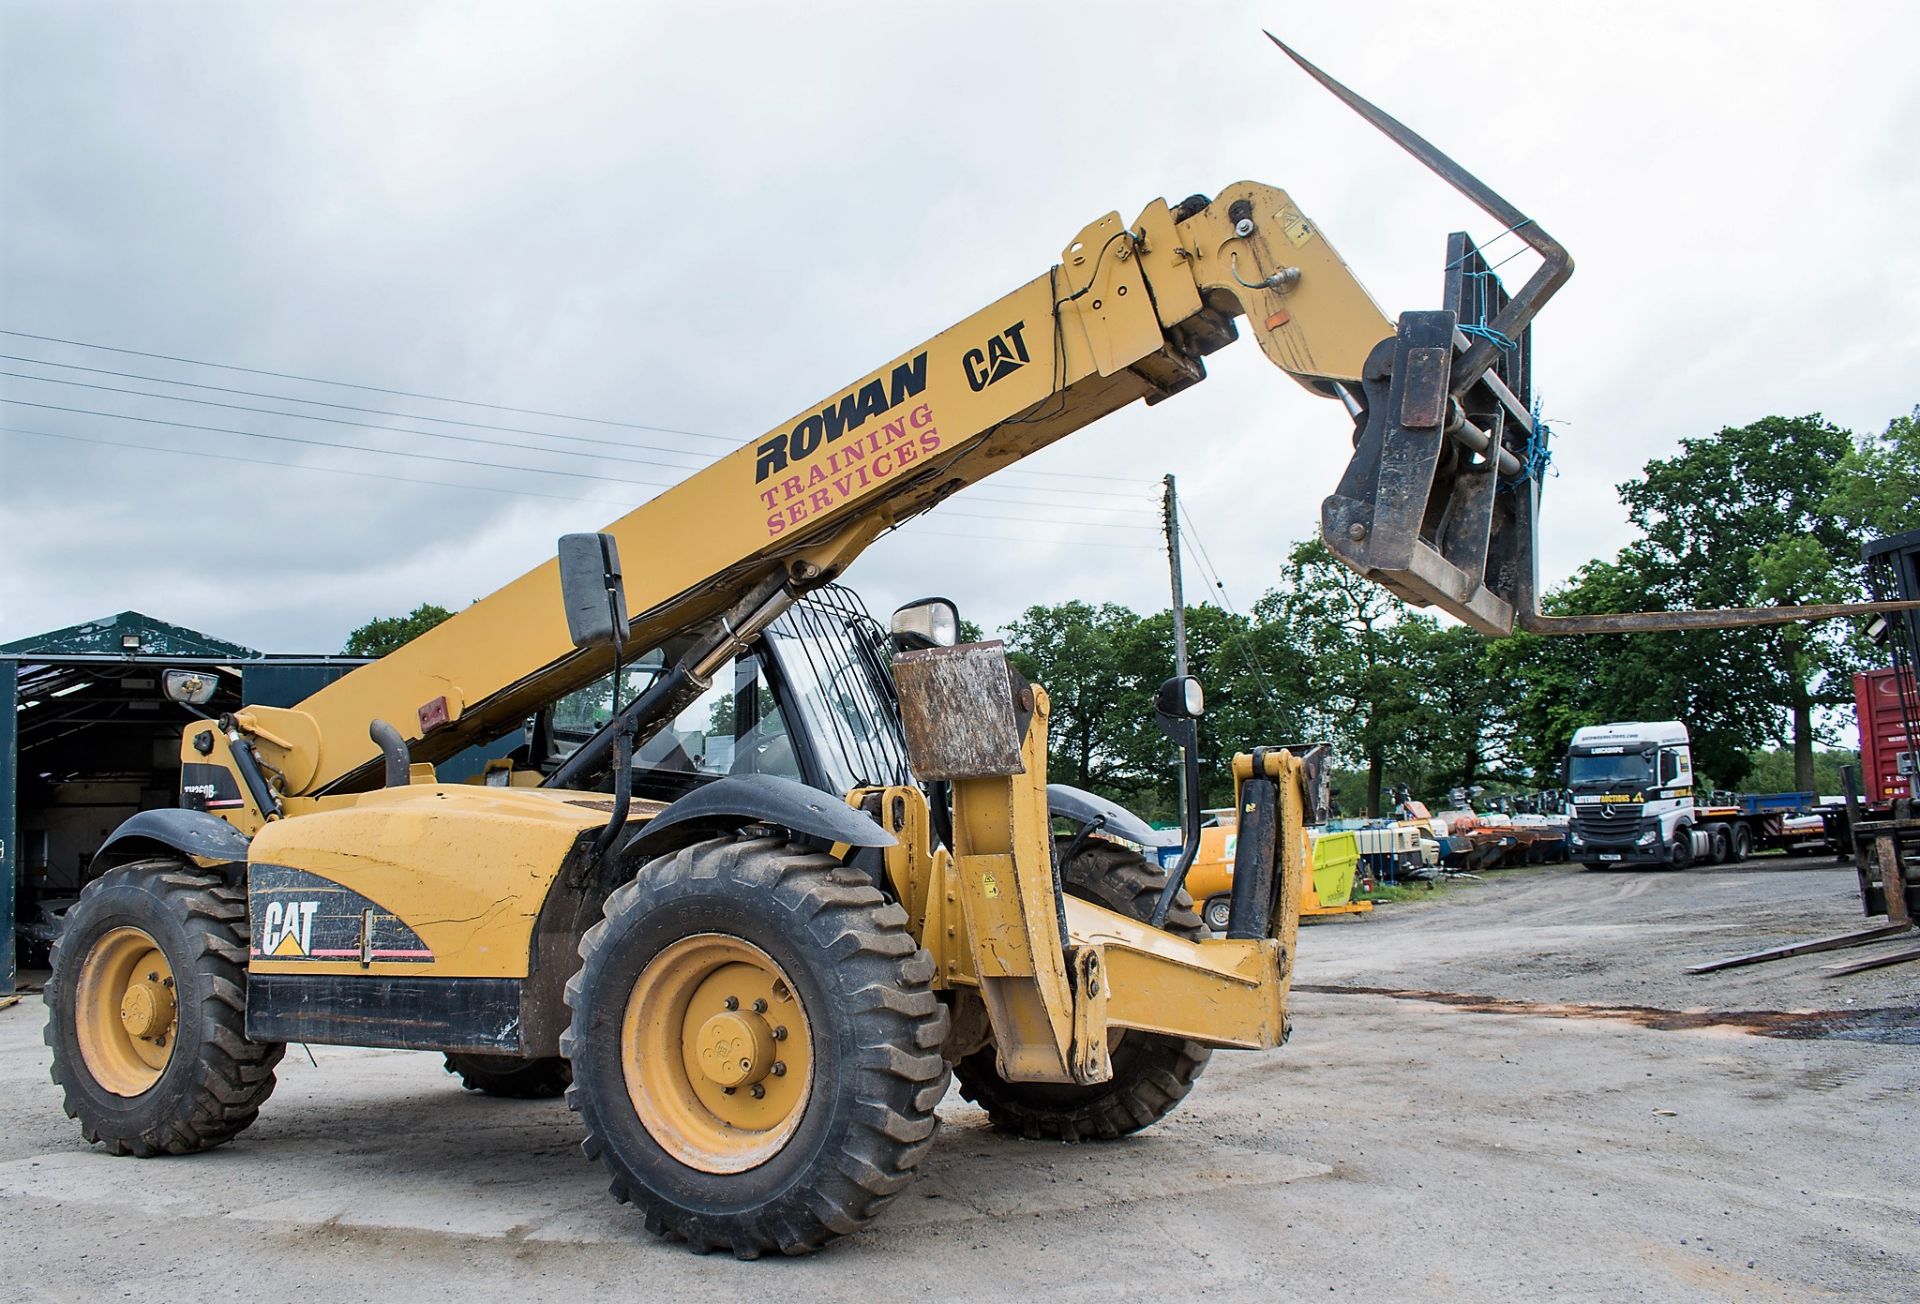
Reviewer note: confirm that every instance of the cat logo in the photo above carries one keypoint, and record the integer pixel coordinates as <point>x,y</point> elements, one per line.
<point>287,929</point>
<point>1005,354</point>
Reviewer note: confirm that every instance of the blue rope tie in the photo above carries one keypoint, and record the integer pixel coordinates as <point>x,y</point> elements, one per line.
<point>1539,456</point>
<point>1489,334</point>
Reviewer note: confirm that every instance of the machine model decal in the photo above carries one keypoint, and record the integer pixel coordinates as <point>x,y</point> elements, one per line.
<point>1005,354</point>
<point>872,398</point>
<point>301,916</point>
<point>209,788</point>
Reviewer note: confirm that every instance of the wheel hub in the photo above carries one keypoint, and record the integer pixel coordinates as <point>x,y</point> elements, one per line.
<point>717,1053</point>
<point>125,1011</point>
<point>146,1011</point>
<point>735,1050</point>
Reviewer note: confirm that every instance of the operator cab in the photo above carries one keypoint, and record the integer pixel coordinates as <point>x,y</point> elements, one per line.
<point>812,700</point>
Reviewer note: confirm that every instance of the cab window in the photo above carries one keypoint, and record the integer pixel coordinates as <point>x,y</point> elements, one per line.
<point>735,727</point>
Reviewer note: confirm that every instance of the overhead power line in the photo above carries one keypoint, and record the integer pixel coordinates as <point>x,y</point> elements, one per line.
<point>462,402</point>
<point>409,416</point>
<point>624,504</point>
<point>371,389</point>
<point>342,421</point>
<point>321,443</point>
<point>308,466</point>
<point>313,402</point>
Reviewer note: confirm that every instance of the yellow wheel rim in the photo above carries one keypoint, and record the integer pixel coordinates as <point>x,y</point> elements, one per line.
<point>126,1014</point>
<point>717,1053</point>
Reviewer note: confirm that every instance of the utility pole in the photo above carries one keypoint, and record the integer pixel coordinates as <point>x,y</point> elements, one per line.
<point>1170,510</point>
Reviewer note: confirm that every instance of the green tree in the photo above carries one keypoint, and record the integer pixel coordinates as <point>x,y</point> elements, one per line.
<point>1365,681</point>
<point>376,638</point>
<point>1075,650</point>
<point>1772,771</point>
<point>1876,485</point>
<point>1706,680</point>
<point>1743,518</point>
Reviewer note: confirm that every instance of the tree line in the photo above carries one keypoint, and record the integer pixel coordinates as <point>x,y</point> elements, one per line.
<point>1772,512</point>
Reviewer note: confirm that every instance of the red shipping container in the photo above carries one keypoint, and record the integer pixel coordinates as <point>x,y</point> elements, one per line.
<point>1887,754</point>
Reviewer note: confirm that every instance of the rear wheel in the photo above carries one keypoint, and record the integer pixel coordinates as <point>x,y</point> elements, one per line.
<point>147,1012</point>
<point>1718,848</point>
<point>1740,845</point>
<point>1151,1073</point>
<point>755,1046</point>
<point>511,1077</point>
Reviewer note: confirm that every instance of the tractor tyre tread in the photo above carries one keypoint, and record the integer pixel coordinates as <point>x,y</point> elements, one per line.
<point>213,1086</point>
<point>1151,1073</point>
<point>881,1021</point>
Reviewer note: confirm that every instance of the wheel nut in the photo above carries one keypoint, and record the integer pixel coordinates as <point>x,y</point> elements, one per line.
<point>759,1007</point>
<point>726,1091</point>
<point>780,1033</point>
<point>779,1069</point>
<point>758,1091</point>
<point>733,1002</point>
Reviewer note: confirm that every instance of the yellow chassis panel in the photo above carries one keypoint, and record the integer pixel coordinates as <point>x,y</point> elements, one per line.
<point>466,868</point>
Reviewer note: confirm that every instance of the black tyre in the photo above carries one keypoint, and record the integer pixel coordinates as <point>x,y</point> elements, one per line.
<point>1151,1073</point>
<point>1717,849</point>
<point>755,1046</point>
<point>511,1077</point>
<point>147,1012</point>
<point>1740,845</point>
<point>1682,849</point>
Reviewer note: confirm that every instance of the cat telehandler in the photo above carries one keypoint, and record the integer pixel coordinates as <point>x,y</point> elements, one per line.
<point>762,875</point>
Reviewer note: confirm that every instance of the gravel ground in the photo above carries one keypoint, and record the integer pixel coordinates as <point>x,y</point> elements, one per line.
<point>1509,1091</point>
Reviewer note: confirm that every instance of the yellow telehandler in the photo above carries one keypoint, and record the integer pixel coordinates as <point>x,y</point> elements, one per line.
<point>763,874</point>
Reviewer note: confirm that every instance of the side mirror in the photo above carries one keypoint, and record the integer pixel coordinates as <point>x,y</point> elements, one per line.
<point>189,687</point>
<point>591,588</point>
<point>930,622</point>
<point>1181,698</point>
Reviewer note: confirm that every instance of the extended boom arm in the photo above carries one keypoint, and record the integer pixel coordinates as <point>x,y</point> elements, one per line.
<point>1128,313</point>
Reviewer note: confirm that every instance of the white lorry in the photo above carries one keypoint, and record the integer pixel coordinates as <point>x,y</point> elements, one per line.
<point>1630,798</point>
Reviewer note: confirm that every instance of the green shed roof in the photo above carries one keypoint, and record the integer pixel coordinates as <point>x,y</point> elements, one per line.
<point>106,637</point>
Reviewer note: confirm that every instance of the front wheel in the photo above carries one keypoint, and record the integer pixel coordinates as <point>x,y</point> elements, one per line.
<point>146,1012</point>
<point>755,1046</point>
<point>1152,1073</point>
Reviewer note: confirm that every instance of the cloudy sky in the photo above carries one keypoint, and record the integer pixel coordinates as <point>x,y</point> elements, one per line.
<point>703,218</point>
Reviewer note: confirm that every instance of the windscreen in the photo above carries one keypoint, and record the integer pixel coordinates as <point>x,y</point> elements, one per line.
<point>833,656</point>
<point>1628,769</point>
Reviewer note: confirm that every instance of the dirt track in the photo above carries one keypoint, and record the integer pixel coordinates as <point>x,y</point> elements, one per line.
<point>1470,1127</point>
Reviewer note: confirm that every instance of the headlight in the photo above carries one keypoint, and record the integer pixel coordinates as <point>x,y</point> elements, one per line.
<point>1576,839</point>
<point>930,622</point>
<point>1647,838</point>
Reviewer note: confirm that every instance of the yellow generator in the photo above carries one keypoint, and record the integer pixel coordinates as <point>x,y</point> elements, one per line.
<point>763,876</point>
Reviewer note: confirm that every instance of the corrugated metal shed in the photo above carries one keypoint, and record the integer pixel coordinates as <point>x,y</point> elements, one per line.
<point>91,738</point>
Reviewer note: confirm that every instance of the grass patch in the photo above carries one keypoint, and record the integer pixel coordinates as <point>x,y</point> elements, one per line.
<point>1386,893</point>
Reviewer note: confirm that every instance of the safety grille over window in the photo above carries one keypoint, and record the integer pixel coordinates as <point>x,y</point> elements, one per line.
<point>836,660</point>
